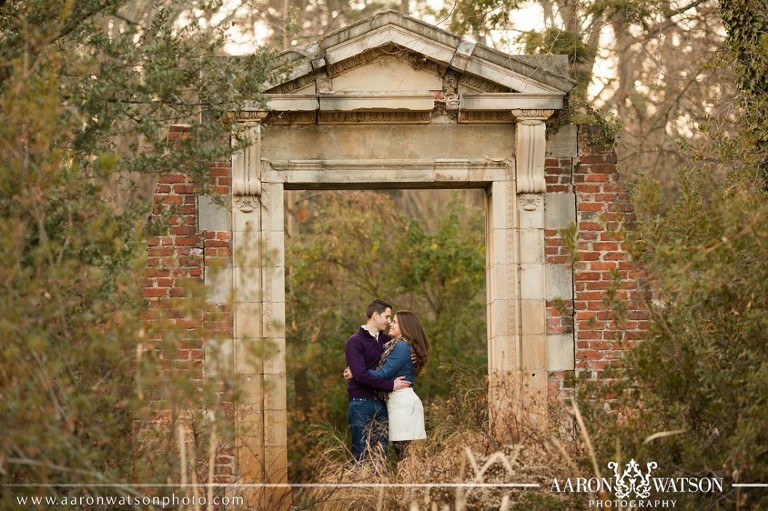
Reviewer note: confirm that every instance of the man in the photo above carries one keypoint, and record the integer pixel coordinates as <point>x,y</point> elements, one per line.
<point>367,413</point>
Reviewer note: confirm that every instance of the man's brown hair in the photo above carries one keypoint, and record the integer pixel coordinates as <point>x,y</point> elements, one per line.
<point>378,306</point>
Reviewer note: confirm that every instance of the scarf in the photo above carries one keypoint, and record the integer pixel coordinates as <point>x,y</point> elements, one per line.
<point>388,347</point>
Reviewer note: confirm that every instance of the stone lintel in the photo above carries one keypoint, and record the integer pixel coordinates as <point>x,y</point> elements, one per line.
<point>511,101</point>
<point>394,172</point>
<point>402,100</point>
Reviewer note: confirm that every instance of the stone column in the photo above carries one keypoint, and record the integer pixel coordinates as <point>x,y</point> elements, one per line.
<point>259,312</point>
<point>530,146</point>
<point>503,311</point>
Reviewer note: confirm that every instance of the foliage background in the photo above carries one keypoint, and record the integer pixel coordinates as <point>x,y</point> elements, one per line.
<point>340,261</point>
<point>87,92</point>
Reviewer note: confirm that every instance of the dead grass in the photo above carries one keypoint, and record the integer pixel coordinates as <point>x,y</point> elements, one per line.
<point>459,449</point>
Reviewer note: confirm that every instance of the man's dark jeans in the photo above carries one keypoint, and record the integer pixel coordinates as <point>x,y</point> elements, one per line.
<point>368,422</point>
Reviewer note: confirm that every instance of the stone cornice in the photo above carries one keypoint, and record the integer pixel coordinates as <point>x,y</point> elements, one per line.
<point>517,102</point>
<point>522,106</point>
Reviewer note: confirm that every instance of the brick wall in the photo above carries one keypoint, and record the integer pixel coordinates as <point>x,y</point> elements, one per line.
<point>177,258</point>
<point>605,279</point>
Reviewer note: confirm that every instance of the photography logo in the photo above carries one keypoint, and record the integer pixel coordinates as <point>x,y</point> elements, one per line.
<point>632,483</point>
<point>634,487</point>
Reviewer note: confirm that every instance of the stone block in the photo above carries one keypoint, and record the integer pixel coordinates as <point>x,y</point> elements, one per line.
<point>246,284</point>
<point>274,355</point>
<point>273,243</point>
<point>504,243</point>
<point>250,447</point>
<point>274,319</point>
<point>499,217</point>
<point>534,398</point>
<point>563,144</point>
<point>218,284</point>
<point>275,428</point>
<point>560,210</point>
<point>534,352</point>
<point>452,175</point>
<point>533,317</point>
<point>558,282</point>
<point>219,357</point>
<point>387,73</point>
<point>531,246</point>
<point>385,141</point>
<point>273,278</point>
<point>250,388</point>
<point>246,221</point>
<point>272,204</point>
<point>249,355</point>
<point>488,174</point>
<point>532,281</point>
<point>247,247</point>
<point>531,211</point>
<point>504,353</point>
<point>503,318</point>
<point>212,216</point>
<point>275,391</point>
<point>276,464</point>
<point>248,319</point>
<point>560,352</point>
<point>503,281</point>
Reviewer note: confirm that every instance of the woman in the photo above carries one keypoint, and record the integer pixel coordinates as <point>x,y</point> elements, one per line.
<point>406,413</point>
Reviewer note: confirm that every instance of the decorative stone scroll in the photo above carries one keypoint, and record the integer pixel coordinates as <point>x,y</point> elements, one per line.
<point>246,164</point>
<point>374,117</point>
<point>291,118</point>
<point>486,117</point>
<point>530,146</point>
<point>475,83</point>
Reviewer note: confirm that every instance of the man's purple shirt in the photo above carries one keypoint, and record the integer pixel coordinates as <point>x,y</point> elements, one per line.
<point>363,352</point>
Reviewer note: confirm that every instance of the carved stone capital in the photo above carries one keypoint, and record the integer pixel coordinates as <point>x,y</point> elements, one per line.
<point>251,116</point>
<point>531,116</point>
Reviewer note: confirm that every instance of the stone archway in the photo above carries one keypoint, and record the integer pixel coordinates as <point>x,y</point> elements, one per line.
<point>392,102</point>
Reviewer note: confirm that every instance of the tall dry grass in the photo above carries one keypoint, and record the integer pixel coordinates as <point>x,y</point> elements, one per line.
<point>460,448</point>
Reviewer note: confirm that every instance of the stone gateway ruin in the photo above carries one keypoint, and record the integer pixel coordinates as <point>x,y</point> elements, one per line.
<point>393,102</point>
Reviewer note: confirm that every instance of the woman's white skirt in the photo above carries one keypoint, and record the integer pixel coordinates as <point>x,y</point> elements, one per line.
<point>406,416</point>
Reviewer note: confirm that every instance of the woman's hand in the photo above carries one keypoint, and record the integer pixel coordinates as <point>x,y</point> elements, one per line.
<point>347,374</point>
<point>401,383</point>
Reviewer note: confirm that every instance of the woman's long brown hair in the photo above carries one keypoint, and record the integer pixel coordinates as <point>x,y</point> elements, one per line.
<point>411,329</point>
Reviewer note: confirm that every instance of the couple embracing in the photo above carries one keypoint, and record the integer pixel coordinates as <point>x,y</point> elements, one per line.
<point>380,375</point>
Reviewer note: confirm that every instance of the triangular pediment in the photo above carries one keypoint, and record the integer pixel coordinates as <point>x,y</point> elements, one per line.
<point>394,52</point>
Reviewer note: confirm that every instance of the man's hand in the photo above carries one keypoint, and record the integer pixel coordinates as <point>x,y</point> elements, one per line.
<point>401,383</point>
<point>347,373</point>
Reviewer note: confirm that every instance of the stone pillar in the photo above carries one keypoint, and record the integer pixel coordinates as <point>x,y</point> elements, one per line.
<point>259,331</point>
<point>503,311</point>
<point>530,149</point>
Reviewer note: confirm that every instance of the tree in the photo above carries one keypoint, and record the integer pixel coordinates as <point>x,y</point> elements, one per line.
<point>653,66</point>
<point>700,377</point>
<point>77,80</point>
